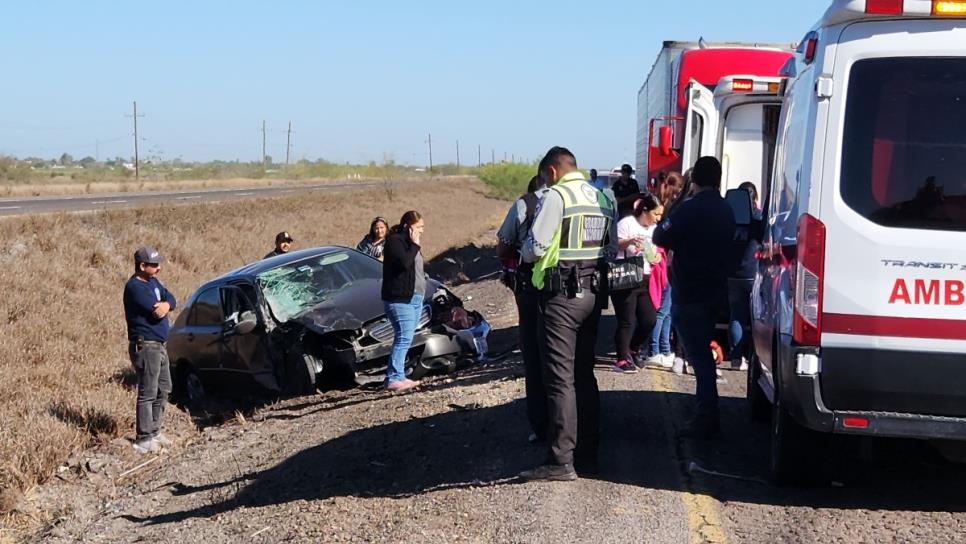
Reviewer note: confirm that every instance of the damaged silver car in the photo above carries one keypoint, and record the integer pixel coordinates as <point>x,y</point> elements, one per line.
<point>294,322</point>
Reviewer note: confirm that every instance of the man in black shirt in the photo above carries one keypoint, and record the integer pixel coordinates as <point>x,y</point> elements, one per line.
<point>283,244</point>
<point>700,232</point>
<point>626,192</point>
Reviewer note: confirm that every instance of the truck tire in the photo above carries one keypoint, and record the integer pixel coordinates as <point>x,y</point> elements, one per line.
<point>758,406</point>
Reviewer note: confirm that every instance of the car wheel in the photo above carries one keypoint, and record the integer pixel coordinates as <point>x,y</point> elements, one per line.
<point>418,370</point>
<point>758,405</point>
<point>301,370</point>
<point>187,385</point>
<point>193,387</point>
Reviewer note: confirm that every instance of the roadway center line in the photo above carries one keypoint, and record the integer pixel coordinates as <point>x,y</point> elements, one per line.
<point>9,207</point>
<point>703,521</point>
<point>245,194</point>
<point>116,201</point>
<point>188,197</point>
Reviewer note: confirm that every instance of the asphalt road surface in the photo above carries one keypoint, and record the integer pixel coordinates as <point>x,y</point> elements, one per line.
<point>35,205</point>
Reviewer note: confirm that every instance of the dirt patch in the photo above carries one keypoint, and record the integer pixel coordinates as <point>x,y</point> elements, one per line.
<point>64,384</point>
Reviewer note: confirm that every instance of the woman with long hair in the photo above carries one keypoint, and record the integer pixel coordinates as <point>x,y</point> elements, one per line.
<point>403,289</point>
<point>658,349</point>
<point>374,243</point>
<point>634,309</point>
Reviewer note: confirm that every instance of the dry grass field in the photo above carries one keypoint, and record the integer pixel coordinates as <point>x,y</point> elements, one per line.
<point>62,334</point>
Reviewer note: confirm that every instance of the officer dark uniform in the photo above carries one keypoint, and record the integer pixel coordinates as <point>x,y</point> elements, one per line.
<point>512,235</point>
<point>574,232</point>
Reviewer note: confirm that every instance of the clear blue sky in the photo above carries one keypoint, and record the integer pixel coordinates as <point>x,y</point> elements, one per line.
<point>359,80</point>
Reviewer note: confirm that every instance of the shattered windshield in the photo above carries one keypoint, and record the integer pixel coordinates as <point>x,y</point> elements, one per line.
<point>293,288</point>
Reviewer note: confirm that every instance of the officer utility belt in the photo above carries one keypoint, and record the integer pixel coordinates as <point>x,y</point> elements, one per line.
<point>573,279</point>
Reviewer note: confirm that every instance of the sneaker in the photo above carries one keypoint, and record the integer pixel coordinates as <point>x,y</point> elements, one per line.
<point>739,364</point>
<point>637,360</point>
<point>550,473</point>
<point>625,367</point>
<point>401,385</point>
<point>146,445</point>
<point>163,440</point>
<point>678,366</point>
<point>660,361</point>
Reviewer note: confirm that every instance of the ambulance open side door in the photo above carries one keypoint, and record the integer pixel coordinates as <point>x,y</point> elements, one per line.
<point>700,125</point>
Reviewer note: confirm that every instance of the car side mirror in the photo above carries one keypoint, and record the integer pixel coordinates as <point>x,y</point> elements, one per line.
<point>740,202</point>
<point>246,323</point>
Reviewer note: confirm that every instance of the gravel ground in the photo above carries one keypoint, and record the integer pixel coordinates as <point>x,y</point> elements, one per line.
<point>439,464</point>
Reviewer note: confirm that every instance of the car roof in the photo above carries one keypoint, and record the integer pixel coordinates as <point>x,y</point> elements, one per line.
<point>257,267</point>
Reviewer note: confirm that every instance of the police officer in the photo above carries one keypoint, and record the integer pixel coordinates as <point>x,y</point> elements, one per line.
<point>511,236</point>
<point>146,307</point>
<point>574,231</point>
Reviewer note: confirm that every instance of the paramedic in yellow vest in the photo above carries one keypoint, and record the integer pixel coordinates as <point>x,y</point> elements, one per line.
<point>573,234</point>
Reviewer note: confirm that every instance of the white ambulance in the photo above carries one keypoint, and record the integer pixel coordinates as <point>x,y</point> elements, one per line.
<point>859,307</point>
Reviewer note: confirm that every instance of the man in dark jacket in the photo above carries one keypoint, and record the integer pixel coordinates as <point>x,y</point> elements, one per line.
<point>146,307</point>
<point>699,232</point>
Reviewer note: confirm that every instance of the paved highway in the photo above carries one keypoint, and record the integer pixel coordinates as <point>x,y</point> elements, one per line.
<point>35,205</point>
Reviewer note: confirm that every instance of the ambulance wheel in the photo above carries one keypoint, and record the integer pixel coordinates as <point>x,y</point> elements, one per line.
<point>795,450</point>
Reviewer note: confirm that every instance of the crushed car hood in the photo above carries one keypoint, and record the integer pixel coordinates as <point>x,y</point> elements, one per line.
<point>352,307</point>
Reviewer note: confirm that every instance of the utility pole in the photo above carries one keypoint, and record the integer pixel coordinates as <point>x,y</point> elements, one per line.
<point>513,159</point>
<point>479,156</point>
<point>430,140</point>
<point>457,156</point>
<point>492,156</point>
<point>263,142</point>
<point>288,143</point>
<point>504,156</point>
<point>97,150</point>
<point>137,170</point>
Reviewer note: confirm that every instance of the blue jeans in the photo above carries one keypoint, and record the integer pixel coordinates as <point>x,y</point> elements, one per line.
<point>695,322</point>
<point>661,336</point>
<point>739,303</point>
<point>404,317</point>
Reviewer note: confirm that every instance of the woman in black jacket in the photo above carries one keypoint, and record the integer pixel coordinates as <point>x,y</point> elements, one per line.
<point>403,288</point>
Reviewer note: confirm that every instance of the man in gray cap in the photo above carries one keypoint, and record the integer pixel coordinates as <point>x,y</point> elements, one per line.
<point>283,243</point>
<point>146,307</point>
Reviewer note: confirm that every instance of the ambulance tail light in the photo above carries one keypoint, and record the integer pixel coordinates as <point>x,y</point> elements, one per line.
<point>884,7</point>
<point>809,282</point>
<point>742,85</point>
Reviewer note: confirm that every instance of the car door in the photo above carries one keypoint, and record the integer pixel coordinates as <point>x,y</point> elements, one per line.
<point>700,126</point>
<point>243,353</point>
<point>203,330</point>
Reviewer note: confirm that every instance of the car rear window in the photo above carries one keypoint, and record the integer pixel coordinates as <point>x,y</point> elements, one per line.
<point>904,145</point>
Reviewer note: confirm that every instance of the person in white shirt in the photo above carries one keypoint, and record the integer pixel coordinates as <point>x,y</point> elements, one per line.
<point>635,311</point>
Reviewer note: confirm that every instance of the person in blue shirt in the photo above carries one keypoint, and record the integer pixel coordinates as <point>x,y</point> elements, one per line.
<point>598,183</point>
<point>146,307</point>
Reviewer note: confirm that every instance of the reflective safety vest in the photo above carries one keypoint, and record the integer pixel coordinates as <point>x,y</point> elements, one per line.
<point>582,235</point>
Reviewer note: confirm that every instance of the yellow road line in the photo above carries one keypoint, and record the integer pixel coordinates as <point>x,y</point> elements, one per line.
<point>704,524</point>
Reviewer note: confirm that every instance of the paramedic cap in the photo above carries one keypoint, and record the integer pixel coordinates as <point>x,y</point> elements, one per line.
<point>147,255</point>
